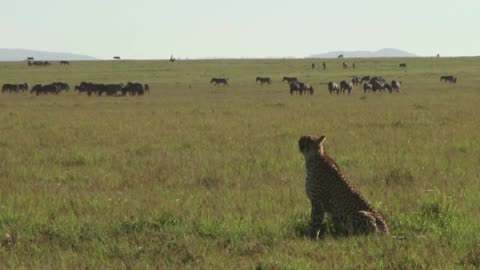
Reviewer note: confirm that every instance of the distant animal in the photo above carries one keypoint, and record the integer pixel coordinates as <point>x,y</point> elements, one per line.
<point>324,65</point>
<point>290,79</point>
<point>307,88</point>
<point>367,87</point>
<point>353,65</point>
<point>263,80</point>
<point>147,87</point>
<point>365,79</point>
<point>30,58</point>
<point>395,86</point>
<point>218,81</point>
<point>9,88</point>
<point>295,87</point>
<point>448,78</point>
<point>388,87</point>
<point>340,56</point>
<point>313,65</point>
<point>64,63</point>
<point>116,57</point>
<point>345,65</point>
<point>171,59</point>
<point>346,87</point>
<point>377,85</point>
<point>45,89</point>
<point>403,65</point>
<point>329,191</point>
<point>333,88</point>
<point>355,80</point>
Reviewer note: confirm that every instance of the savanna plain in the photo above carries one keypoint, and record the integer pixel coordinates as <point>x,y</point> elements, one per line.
<point>197,176</point>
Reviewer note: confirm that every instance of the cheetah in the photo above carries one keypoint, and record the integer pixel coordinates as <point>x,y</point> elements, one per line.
<point>330,193</point>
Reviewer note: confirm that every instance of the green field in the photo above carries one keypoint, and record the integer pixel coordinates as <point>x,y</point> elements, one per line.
<point>193,176</point>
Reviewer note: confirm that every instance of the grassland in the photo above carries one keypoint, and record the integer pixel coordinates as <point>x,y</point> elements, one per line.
<point>193,176</point>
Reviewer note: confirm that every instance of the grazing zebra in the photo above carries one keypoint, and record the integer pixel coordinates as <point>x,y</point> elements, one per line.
<point>367,87</point>
<point>290,79</point>
<point>263,80</point>
<point>355,80</point>
<point>377,85</point>
<point>333,87</point>
<point>395,86</point>
<point>448,78</point>
<point>306,88</point>
<point>218,81</point>
<point>346,87</point>
<point>365,79</point>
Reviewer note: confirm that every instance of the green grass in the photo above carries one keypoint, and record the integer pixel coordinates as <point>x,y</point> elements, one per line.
<point>201,177</point>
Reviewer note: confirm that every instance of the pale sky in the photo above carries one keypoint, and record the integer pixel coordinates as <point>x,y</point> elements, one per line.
<point>154,29</point>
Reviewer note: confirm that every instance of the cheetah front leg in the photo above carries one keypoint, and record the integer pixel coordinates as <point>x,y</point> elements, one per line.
<point>316,218</point>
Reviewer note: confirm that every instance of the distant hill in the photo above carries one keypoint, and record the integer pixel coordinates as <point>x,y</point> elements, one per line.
<point>387,52</point>
<point>21,54</point>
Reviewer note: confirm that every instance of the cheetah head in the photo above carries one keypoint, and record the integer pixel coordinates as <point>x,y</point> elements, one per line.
<point>311,144</point>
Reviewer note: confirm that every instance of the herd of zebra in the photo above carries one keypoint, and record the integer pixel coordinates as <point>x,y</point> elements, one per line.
<point>98,89</point>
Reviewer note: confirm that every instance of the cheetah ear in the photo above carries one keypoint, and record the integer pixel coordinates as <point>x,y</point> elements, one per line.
<point>321,139</point>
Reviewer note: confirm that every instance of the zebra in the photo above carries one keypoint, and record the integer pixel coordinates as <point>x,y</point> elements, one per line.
<point>346,87</point>
<point>333,87</point>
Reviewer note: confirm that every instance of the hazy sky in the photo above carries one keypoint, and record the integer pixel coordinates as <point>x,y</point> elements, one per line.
<point>241,28</point>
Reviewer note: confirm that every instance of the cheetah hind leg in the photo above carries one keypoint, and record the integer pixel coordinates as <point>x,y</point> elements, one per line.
<point>363,222</point>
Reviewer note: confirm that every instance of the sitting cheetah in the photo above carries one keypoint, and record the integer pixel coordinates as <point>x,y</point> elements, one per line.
<point>330,192</point>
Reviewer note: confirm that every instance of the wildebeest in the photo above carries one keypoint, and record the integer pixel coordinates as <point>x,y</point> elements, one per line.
<point>346,87</point>
<point>395,86</point>
<point>64,63</point>
<point>313,65</point>
<point>111,89</point>
<point>10,88</point>
<point>218,81</point>
<point>263,80</point>
<point>61,86</point>
<point>38,63</point>
<point>134,89</point>
<point>448,78</point>
<point>403,65</point>
<point>353,66</point>
<point>116,57</point>
<point>147,87</point>
<point>44,89</point>
<point>340,56</point>
<point>171,59</point>
<point>333,87</point>
<point>324,65</point>
<point>345,65</point>
<point>290,79</point>
<point>355,80</point>
<point>366,87</point>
